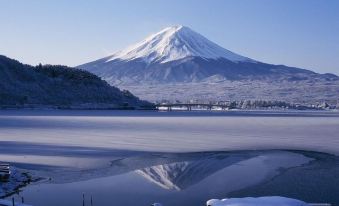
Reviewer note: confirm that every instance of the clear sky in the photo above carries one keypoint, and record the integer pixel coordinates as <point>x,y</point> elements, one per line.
<point>301,33</point>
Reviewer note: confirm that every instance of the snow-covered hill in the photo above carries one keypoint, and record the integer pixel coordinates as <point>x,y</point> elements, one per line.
<point>179,55</point>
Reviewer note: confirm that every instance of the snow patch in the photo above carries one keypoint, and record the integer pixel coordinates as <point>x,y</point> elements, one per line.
<point>259,201</point>
<point>175,43</point>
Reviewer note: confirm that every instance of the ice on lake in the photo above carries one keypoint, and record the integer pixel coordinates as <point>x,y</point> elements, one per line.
<point>172,132</point>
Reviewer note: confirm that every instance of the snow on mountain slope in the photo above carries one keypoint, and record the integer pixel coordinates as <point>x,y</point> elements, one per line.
<point>175,43</point>
<point>176,61</point>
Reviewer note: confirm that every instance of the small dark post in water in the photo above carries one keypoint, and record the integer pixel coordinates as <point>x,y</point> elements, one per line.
<point>22,200</point>
<point>13,204</point>
<point>91,200</point>
<point>83,199</point>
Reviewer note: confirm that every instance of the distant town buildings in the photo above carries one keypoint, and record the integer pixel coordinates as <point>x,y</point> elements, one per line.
<point>252,104</point>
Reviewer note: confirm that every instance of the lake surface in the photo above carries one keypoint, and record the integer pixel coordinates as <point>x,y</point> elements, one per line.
<point>174,131</point>
<point>172,179</point>
<point>176,158</point>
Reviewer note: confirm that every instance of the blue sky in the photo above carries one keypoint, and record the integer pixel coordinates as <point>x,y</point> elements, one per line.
<point>302,33</point>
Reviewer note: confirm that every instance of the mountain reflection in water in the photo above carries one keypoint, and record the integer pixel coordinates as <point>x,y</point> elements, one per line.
<point>182,175</point>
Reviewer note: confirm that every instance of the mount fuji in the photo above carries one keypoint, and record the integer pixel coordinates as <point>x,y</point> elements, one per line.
<point>178,55</point>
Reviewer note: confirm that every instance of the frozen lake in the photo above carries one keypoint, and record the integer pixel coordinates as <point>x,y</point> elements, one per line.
<point>171,157</point>
<point>174,131</point>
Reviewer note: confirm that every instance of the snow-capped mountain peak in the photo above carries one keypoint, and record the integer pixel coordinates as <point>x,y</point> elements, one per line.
<point>175,43</point>
<point>178,54</point>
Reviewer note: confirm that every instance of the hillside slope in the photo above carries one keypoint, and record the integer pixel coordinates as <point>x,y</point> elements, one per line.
<point>58,86</point>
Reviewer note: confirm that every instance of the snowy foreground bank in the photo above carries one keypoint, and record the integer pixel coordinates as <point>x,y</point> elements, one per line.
<point>259,201</point>
<point>10,203</point>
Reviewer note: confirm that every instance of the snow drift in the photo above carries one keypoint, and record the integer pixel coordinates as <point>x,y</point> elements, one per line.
<point>259,201</point>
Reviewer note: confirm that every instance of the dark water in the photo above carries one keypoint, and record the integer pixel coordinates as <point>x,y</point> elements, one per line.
<point>192,179</point>
<point>315,182</point>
